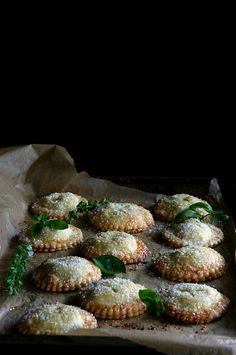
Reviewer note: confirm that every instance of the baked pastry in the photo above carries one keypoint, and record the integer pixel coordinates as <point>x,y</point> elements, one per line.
<point>65,274</point>
<point>193,303</point>
<point>57,204</point>
<point>169,206</point>
<point>53,240</point>
<point>192,232</point>
<point>120,244</point>
<point>124,217</point>
<point>55,319</point>
<point>112,299</point>
<point>190,264</point>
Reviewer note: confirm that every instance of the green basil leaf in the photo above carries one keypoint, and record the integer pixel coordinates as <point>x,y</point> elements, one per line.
<point>44,216</point>
<point>109,265</point>
<point>57,224</point>
<point>202,205</point>
<point>153,302</point>
<point>40,218</point>
<point>36,218</point>
<point>185,214</point>
<point>36,229</point>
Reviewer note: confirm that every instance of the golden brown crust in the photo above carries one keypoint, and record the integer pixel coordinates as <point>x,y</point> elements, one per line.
<point>209,270</point>
<point>123,311</point>
<point>55,319</point>
<point>171,238</point>
<point>141,254</point>
<point>50,280</point>
<point>131,219</point>
<point>168,207</point>
<point>115,298</point>
<point>160,213</point>
<point>127,258</point>
<point>53,245</point>
<point>199,317</point>
<point>189,273</point>
<point>38,207</point>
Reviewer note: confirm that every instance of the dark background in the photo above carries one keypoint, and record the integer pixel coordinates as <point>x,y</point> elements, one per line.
<point>150,101</point>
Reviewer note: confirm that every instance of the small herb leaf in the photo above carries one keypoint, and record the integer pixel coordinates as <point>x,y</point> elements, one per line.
<point>85,207</point>
<point>153,301</point>
<point>202,205</point>
<point>57,224</point>
<point>42,217</point>
<point>109,265</point>
<point>42,221</point>
<point>185,214</point>
<point>36,229</point>
<point>36,218</point>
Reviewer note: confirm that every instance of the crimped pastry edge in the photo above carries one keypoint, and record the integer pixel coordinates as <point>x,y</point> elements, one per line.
<point>173,240</point>
<point>55,245</point>
<point>139,256</point>
<point>51,283</point>
<point>199,317</point>
<point>35,208</point>
<point>24,327</point>
<point>189,274</point>
<point>126,310</point>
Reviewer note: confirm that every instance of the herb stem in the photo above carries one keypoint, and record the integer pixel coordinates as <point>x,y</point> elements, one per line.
<point>17,268</point>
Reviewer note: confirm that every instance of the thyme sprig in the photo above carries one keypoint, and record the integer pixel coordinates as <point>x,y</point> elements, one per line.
<point>85,207</point>
<point>13,280</point>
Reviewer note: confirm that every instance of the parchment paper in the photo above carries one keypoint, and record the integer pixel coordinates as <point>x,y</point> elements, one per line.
<point>30,171</point>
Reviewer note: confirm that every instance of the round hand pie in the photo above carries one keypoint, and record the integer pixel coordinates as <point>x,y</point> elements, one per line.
<point>193,303</point>
<point>120,244</point>
<point>191,264</point>
<point>112,299</point>
<point>53,240</point>
<point>124,217</point>
<point>169,206</point>
<point>55,319</point>
<point>65,274</point>
<point>192,232</point>
<point>57,204</point>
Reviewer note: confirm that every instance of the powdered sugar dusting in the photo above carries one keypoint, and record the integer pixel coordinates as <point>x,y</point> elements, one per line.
<point>55,318</point>
<point>60,202</point>
<point>194,297</point>
<point>192,256</point>
<point>68,267</point>
<point>193,230</point>
<point>111,291</point>
<point>113,242</point>
<point>177,203</point>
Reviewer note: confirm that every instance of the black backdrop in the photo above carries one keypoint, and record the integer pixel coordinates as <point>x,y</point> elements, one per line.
<point>173,146</point>
<point>157,101</point>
